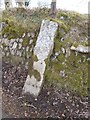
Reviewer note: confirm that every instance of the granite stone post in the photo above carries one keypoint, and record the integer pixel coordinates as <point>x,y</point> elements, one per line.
<point>42,50</point>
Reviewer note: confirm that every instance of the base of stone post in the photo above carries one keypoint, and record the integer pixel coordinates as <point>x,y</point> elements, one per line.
<point>32,86</point>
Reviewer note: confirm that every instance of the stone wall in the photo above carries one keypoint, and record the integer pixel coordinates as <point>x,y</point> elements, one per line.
<point>18,47</point>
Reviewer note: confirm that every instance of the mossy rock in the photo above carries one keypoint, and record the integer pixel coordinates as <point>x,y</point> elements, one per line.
<point>25,42</point>
<point>4,45</point>
<point>34,57</point>
<point>36,75</point>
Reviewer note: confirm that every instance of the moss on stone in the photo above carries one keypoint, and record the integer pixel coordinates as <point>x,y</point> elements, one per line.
<point>25,42</point>
<point>31,71</point>
<point>60,23</point>
<point>34,57</point>
<point>36,75</point>
<point>4,45</point>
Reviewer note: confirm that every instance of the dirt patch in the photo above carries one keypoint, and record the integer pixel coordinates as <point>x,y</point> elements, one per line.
<point>51,103</point>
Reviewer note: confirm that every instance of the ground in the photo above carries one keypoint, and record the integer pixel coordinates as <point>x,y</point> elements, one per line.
<point>51,102</point>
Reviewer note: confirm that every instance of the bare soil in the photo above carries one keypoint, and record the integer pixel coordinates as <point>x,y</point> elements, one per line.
<point>51,103</point>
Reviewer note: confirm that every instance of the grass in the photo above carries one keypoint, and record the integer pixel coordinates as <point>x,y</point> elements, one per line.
<point>76,74</point>
<point>75,69</point>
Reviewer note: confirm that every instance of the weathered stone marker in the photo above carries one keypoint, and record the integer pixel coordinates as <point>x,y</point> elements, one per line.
<point>43,48</point>
<point>53,8</point>
<point>8,3</point>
